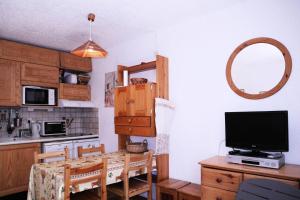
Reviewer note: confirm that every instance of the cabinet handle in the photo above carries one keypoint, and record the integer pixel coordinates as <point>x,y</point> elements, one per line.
<point>219,180</point>
<point>129,120</point>
<point>130,130</point>
<point>130,101</point>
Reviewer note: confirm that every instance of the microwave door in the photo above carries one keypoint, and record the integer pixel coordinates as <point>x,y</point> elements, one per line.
<point>53,128</point>
<point>36,96</point>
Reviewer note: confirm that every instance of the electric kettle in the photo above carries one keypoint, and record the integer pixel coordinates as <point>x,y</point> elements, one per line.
<point>35,129</point>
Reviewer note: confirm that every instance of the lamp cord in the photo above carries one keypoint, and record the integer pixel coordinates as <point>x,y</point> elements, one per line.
<point>91,30</point>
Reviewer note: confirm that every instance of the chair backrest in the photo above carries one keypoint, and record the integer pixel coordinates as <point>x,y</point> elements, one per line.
<point>56,154</point>
<point>94,174</point>
<point>137,162</point>
<point>82,151</point>
<point>262,189</point>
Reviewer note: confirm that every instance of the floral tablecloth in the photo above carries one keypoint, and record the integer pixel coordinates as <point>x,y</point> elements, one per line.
<point>46,180</point>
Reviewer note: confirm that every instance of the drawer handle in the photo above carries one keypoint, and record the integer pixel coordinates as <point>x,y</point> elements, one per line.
<point>219,198</point>
<point>219,180</point>
<point>129,121</point>
<point>130,130</point>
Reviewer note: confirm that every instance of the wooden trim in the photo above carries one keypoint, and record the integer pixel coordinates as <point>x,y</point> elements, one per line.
<point>162,77</point>
<point>162,166</point>
<point>141,67</point>
<point>282,82</point>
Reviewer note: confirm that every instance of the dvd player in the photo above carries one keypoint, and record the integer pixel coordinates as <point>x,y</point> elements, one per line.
<point>274,161</point>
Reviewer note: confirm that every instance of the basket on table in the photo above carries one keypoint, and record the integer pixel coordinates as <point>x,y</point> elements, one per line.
<point>136,147</point>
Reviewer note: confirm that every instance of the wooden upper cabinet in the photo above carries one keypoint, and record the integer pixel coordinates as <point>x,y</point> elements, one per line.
<point>74,92</point>
<point>75,63</point>
<point>121,101</point>
<point>27,53</point>
<point>10,85</point>
<point>134,110</point>
<point>39,75</point>
<point>135,100</point>
<point>141,100</point>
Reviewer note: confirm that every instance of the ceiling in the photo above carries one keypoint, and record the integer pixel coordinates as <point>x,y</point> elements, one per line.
<point>63,24</point>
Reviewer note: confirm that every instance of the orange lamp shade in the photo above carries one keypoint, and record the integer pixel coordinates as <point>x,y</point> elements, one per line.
<point>90,49</point>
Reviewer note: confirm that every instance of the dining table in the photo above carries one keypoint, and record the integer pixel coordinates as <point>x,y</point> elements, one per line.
<point>46,181</point>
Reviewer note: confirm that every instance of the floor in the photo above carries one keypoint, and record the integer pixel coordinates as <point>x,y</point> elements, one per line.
<point>23,196</point>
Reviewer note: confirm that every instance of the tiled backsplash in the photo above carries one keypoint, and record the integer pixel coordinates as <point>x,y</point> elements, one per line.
<point>85,120</point>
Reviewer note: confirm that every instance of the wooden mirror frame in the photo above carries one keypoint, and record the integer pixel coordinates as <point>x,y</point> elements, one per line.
<point>282,82</point>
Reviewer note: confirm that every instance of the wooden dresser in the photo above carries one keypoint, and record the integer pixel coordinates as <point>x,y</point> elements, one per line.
<point>220,180</point>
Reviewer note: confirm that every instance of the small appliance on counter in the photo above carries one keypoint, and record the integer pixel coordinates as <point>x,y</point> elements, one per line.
<point>35,129</point>
<point>53,128</point>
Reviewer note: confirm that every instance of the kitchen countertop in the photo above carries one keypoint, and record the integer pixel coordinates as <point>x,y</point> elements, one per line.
<point>26,140</point>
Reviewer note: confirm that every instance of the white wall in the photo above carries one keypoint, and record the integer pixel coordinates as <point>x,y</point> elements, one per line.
<point>198,50</point>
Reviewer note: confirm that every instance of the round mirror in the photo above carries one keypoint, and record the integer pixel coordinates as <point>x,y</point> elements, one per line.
<point>258,68</point>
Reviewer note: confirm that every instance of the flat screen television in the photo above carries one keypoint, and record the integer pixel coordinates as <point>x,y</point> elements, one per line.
<point>257,131</point>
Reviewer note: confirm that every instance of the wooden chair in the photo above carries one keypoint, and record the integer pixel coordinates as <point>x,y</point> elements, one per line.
<point>132,187</point>
<point>82,151</point>
<point>98,179</point>
<point>56,154</point>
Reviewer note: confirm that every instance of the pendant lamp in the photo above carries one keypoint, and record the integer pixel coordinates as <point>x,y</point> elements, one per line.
<point>90,48</point>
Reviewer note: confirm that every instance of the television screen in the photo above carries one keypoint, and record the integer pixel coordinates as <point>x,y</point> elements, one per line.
<point>263,130</point>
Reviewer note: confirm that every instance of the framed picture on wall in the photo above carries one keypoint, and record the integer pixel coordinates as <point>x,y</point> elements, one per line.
<point>110,84</point>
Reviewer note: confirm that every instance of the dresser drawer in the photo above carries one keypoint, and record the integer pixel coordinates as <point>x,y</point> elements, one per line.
<point>133,121</point>
<point>210,193</point>
<point>221,179</point>
<point>292,183</point>
<point>135,131</point>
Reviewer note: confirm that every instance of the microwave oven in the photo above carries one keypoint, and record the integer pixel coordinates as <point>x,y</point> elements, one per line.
<point>39,96</point>
<point>53,128</point>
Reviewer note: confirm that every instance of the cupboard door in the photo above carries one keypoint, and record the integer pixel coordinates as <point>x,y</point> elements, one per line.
<point>71,62</point>
<point>16,162</point>
<point>122,101</point>
<point>27,53</point>
<point>10,85</point>
<point>74,92</point>
<point>141,100</point>
<point>39,75</point>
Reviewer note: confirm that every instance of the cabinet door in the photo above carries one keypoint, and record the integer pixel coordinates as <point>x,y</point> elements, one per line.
<point>58,147</point>
<point>141,100</point>
<point>39,75</point>
<point>16,162</point>
<point>122,101</point>
<point>27,53</point>
<point>10,85</point>
<point>72,62</point>
<point>74,92</point>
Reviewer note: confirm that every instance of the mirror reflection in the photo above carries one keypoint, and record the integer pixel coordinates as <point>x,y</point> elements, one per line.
<point>258,68</point>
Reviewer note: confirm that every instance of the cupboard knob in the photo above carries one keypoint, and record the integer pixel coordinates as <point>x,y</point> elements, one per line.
<point>219,180</point>
<point>130,130</point>
<point>129,120</point>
